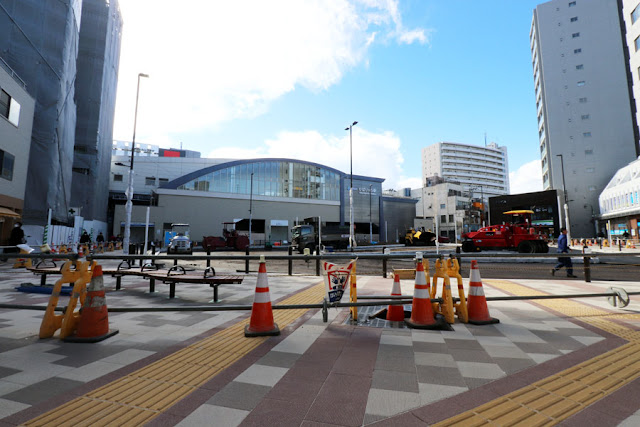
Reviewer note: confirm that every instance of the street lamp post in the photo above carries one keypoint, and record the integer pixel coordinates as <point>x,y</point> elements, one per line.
<point>370,217</point>
<point>566,198</point>
<point>351,224</point>
<point>250,209</point>
<point>128,207</point>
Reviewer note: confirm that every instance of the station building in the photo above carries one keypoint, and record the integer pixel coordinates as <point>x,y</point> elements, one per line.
<point>619,203</point>
<point>274,194</point>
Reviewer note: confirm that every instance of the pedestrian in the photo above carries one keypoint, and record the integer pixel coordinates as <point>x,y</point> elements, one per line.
<point>100,238</point>
<point>16,237</point>
<point>563,247</point>
<point>85,238</point>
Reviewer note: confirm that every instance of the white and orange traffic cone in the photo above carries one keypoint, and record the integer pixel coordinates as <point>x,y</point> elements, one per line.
<point>261,323</point>
<point>422,313</point>
<point>93,324</point>
<point>476,301</point>
<point>395,313</point>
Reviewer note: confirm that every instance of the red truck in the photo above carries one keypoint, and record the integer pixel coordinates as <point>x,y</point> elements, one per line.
<point>518,235</point>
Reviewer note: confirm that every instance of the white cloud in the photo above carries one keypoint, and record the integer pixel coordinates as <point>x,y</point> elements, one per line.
<point>211,62</point>
<point>527,178</point>
<point>374,154</point>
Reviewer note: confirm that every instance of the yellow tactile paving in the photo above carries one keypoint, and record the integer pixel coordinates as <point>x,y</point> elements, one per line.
<point>147,392</point>
<point>553,399</point>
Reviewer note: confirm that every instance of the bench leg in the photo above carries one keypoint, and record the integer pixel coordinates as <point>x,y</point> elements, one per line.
<point>118,283</point>
<point>43,280</point>
<point>172,289</point>
<point>152,285</point>
<point>215,293</point>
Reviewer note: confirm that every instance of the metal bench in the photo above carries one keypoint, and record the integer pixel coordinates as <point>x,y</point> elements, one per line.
<point>125,269</point>
<point>177,274</point>
<point>43,268</point>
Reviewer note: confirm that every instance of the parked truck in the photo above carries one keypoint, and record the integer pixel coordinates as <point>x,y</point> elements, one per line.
<point>305,235</point>
<point>518,235</point>
<point>230,239</point>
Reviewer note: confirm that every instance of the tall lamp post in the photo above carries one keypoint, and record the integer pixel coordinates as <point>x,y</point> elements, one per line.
<point>251,209</point>
<point>351,224</point>
<point>566,198</point>
<point>370,217</point>
<point>128,207</point>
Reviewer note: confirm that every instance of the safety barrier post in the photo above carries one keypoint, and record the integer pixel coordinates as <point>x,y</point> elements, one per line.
<point>318,262</point>
<point>587,269</point>
<point>246,263</point>
<point>290,261</point>
<point>619,245</point>
<point>209,260</point>
<point>384,263</point>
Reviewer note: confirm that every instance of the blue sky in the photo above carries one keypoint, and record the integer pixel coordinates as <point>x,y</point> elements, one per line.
<point>286,80</point>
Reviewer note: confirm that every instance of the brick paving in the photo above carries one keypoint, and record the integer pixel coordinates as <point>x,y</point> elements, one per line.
<point>315,373</point>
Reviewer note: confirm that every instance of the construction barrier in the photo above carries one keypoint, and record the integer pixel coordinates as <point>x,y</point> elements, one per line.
<point>93,325</point>
<point>110,247</point>
<point>453,271</point>
<point>66,322</point>
<point>477,302</point>
<point>23,262</point>
<point>422,316</point>
<point>446,306</point>
<point>261,323</point>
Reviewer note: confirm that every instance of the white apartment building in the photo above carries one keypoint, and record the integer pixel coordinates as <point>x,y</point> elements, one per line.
<point>480,170</point>
<point>585,119</point>
<point>631,16</point>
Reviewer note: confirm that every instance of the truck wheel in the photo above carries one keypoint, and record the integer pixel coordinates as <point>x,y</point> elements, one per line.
<point>312,248</point>
<point>468,246</point>
<point>544,247</point>
<point>526,247</point>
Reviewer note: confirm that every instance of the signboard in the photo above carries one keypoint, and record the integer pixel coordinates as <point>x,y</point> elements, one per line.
<point>279,223</point>
<point>336,278</point>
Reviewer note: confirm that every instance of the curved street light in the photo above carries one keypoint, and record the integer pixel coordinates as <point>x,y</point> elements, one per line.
<point>351,223</point>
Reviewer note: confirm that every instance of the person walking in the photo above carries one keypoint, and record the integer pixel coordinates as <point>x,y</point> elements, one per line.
<point>16,238</point>
<point>563,247</point>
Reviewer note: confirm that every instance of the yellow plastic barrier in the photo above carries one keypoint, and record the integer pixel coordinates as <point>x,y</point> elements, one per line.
<point>23,262</point>
<point>62,249</point>
<point>353,293</point>
<point>110,247</point>
<point>446,307</point>
<point>100,248</point>
<point>605,243</point>
<point>66,322</point>
<point>453,271</point>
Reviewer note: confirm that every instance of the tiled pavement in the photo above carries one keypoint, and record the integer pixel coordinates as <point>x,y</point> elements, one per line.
<point>315,373</point>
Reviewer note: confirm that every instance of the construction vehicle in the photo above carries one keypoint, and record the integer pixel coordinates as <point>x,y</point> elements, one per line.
<point>517,235</point>
<point>419,238</point>
<point>305,235</point>
<point>230,239</point>
<point>179,241</point>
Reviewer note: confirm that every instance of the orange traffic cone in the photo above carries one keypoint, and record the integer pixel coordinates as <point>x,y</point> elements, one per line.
<point>476,301</point>
<point>80,253</point>
<point>422,313</point>
<point>261,323</point>
<point>395,313</point>
<point>93,325</point>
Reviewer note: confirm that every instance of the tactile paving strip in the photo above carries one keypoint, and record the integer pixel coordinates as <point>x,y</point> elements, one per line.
<point>147,392</point>
<point>556,398</point>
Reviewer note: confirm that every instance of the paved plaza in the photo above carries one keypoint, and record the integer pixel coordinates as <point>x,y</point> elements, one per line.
<point>568,362</point>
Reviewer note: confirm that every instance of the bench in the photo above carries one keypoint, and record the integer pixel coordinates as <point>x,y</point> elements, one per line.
<point>43,268</point>
<point>177,274</point>
<point>125,269</point>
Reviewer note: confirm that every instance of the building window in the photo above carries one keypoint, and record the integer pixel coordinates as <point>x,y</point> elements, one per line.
<point>636,43</point>
<point>572,3</point>
<point>579,50</point>
<point>163,180</point>
<point>150,180</point>
<point>635,14</point>
<point>581,83</point>
<point>580,67</point>
<point>9,108</point>
<point>575,35</point>
<point>117,178</point>
<point>582,100</point>
<point>443,206</point>
<point>588,151</point>
<point>591,170</point>
<point>585,117</point>
<point>443,219</point>
<point>592,188</point>
<point>574,19</point>
<point>6,165</point>
<point>450,218</point>
<point>586,134</point>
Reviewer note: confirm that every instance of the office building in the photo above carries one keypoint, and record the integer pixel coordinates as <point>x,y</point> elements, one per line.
<point>586,123</point>
<point>16,119</point>
<point>480,170</point>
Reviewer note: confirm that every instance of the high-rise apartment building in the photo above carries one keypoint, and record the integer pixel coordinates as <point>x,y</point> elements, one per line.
<point>481,170</point>
<point>586,122</point>
<point>631,16</point>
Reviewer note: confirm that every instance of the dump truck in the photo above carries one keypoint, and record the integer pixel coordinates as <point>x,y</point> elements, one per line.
<point>305,235</point>
<point>518,235</point>
<point>230,239</point>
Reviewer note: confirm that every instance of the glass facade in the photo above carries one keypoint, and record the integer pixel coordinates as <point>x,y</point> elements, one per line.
<point>273,179</point>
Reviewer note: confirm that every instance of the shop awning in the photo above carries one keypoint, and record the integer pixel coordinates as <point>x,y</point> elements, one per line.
<point>9,213</point>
